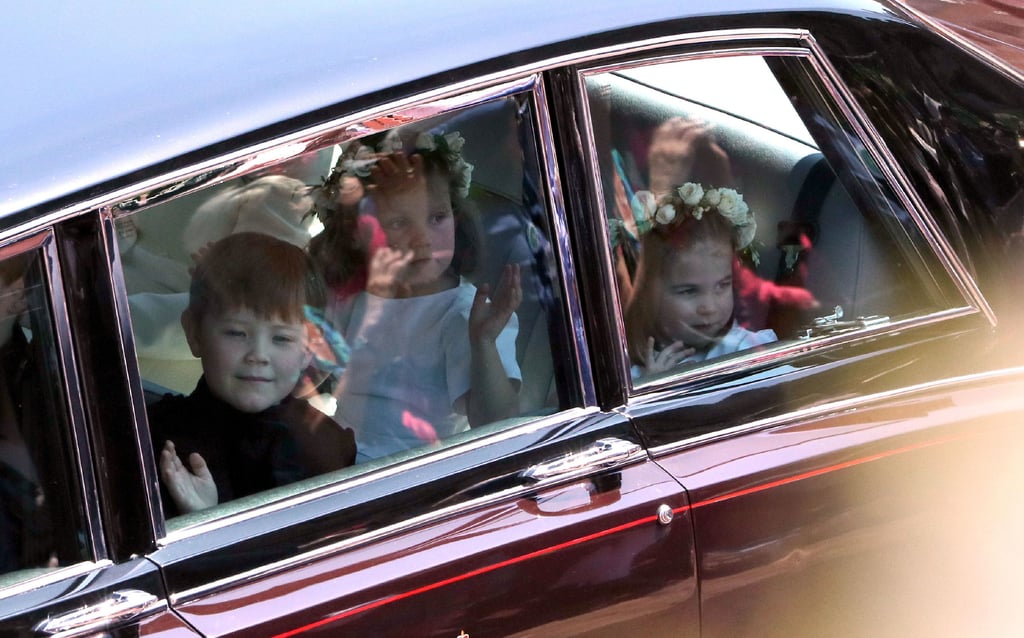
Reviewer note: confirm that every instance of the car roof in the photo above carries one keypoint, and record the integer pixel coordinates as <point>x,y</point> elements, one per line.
<point>96,90</point>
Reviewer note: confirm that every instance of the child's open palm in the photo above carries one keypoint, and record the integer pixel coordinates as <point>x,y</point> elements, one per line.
<point>385,276</point>
<point>488,318</point>
<point>191,489</point>
<point>665,359</point>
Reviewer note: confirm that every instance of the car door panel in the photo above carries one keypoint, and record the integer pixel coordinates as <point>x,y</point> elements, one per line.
<point>832,523</point>
<point>586,557</point>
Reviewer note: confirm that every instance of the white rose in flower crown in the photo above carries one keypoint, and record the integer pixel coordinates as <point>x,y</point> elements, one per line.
<point>665,214</point>
<point>712,197</point>
<point>466,170</point>
<point>391,143</point>
<point>425,142</point>
<point>644,206</point>
<point>455,141</point>
<point>690,193</point>
<point>732,207</point>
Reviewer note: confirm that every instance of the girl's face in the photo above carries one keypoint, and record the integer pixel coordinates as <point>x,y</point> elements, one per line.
<point>419,219</point>
<point>695,300</point>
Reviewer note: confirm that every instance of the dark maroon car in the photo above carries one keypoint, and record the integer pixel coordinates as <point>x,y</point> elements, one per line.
<point>837,452</point>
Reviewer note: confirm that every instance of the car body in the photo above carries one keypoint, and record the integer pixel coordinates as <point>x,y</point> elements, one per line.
<point>857,477</point>
<point>994,25</point>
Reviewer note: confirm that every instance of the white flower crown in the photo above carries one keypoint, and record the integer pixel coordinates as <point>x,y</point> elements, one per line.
<point>691,199</point>
<point>447,146</point>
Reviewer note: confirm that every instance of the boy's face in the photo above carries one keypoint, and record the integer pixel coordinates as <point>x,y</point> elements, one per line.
<point>249,362</point>
<point>419,219</point>
<point>696,294</point>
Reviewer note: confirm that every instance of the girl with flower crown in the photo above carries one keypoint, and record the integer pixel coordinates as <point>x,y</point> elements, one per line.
<point>427,346</point>
<point>681,309</point>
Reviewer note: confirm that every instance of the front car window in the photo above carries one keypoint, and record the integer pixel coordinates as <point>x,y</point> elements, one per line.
<point>430,319</point>
<point>731,230</point>
<point>42,523</point>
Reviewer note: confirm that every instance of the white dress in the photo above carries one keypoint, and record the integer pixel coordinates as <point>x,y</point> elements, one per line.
<point>738,338</point>
<point>409,366</point>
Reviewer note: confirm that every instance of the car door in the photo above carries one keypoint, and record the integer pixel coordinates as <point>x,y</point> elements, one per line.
<point>851,477</point>
<point>553,521</point>
<point>70,564</point>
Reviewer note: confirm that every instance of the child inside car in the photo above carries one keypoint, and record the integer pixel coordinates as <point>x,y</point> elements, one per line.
<point>241,430</point>
<point>681,309</point>
<point>427,345</point>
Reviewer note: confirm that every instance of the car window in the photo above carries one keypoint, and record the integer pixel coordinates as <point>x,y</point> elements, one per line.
<point>431,319</point>
<point>730,229</point>
<point>42,522</point>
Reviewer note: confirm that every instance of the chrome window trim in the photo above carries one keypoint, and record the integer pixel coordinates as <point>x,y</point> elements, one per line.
<point>83,568</point>
<point>834,407</point>
<point>154,513</point>
<point>654,390</point>
<point>805,47</point>
<point>549,157</point>
<point>417,106</point>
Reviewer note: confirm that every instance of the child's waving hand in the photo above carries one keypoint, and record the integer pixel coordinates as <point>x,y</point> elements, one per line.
<point>385,275</point>
<point>666,358</point>
<point>488,317</point>
<point>191,490</point>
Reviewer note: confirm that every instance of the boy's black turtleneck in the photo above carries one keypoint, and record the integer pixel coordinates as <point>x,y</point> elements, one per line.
<point>246,452</point>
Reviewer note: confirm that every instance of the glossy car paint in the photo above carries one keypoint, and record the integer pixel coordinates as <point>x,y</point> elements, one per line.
<point>796,504</point>
<point>996,26</point>
<point>840,525</point>
<point>586,558</point>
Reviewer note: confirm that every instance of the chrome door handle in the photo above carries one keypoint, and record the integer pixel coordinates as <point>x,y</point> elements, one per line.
<point>600,454</point>
<point>121,606</point>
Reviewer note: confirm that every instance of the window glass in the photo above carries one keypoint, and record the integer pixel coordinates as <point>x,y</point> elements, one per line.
<point>42,524</point>
<point>374,299</point>
<point>730,229</point>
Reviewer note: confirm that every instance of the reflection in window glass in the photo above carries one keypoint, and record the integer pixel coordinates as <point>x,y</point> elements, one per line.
<point>41,518</point>
<point>411,269</point>
<point>730,228</point>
